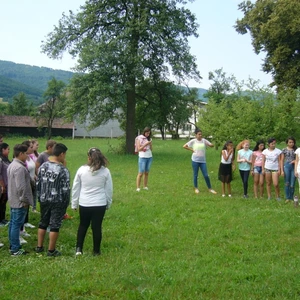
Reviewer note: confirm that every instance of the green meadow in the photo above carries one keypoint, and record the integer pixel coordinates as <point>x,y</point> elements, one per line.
<point>165,243</point>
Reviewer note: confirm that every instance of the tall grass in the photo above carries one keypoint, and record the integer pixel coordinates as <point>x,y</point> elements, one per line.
<point>165,243</point>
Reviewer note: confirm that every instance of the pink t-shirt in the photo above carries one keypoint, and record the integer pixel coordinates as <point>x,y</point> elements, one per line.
<point>258,159</point>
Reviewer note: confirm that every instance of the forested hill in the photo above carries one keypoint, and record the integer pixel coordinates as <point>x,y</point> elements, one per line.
<point>33,81</point>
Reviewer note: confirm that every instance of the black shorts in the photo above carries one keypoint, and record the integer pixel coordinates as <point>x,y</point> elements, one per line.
<point>52,214</point>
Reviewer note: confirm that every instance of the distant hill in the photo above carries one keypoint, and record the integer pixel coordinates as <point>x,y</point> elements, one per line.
<point>33,81</point>
<point>9,88</point>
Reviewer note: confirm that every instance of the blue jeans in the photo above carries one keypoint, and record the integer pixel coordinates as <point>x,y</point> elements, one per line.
<point>203,169</point>
<point>289,180</point>
<point>17,218</point>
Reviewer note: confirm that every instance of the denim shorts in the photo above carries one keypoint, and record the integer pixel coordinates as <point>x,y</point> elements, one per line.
<point>257,170</point>
<point>144,164</point>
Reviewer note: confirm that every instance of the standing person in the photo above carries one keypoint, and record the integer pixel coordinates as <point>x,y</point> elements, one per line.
<point>19,197</point>
<point>92,189</point>
<point>225,169</point>
<point>287,167</point>
<point>244,159</point>
<point>44,156</point>
<point>271,167</point>
<point>144,148</point>
<point>53,193</point>
<point>257,161</point>
<point>4,163</point>
<point>35,154</point>
<point>198,147</point>
<point>30,165</point>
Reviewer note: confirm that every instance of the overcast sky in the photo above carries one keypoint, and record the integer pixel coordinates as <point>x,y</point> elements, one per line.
<point>25,23</point>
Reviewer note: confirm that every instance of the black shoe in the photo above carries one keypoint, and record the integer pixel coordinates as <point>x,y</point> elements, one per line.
<point>54,253</point>
<point>96,253</point>
<point>39,249</point>
<point>78,251</point>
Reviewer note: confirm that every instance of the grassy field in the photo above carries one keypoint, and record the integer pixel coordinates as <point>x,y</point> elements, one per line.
<point>165,243</point>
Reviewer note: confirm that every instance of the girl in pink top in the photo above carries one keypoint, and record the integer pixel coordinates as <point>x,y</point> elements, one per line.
<point>256,171</point>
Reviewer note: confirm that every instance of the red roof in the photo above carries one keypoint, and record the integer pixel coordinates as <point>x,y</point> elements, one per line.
<point>27,121</point>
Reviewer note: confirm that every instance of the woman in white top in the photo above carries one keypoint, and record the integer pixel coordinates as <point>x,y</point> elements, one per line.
<point>92,191</point>
<point>144,148</point>
<point>271,167</point>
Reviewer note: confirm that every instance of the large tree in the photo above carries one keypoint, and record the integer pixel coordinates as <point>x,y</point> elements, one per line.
<point>20,106</point>
<point>118,44</point>
<point>275,29</point>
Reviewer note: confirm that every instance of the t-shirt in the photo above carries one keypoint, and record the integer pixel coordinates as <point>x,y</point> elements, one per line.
<point>199,148</point>
<point>258,158</point>
<point>272,159</point>
<point>288,155</point>
<point>43,157</point>
<point>297,152</point>
<point>244,166</point>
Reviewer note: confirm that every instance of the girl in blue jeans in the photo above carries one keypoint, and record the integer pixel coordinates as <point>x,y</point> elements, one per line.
<point>198,147</point>
<point>287,162</point>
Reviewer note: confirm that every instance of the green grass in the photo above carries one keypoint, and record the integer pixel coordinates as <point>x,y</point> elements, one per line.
<point>165,243</point>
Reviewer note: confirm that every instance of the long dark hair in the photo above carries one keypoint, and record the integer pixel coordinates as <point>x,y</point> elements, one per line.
<point>97,159</point>
<point>225,147</point>
<point>147,129</point>
<point>258,143</point>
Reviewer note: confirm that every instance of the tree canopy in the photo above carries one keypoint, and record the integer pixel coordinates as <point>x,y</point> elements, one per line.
<point>119,44</point>
<point>275,29</point>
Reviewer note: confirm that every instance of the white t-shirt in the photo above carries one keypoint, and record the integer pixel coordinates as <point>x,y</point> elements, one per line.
<point>92,188</point>
<point>272,159</point>
<point>199,148</point>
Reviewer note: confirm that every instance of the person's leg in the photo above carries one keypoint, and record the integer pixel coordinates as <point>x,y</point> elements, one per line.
<point>293,181</point>
<point>195,167</point>
<point>85,215</point>
<point>287,180</point>
<point>203,169</point>
<point>147,170</point>
<point>142,166</point>
<point>256,177</point>
<point>57,212</point>
<point>44,223</point>
<point>41,237</point>
<point>246,179</point>
<point>243,180</point>
<point>261,185</point>
<point>223,188</point>
<point>97,218</point>
<point>229,189</point>
<point>275,179</point>
<point>17,217</point>
<point>268,182</point>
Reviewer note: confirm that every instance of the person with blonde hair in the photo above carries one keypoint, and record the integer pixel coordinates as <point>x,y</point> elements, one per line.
<point>92,192</point>
<point>244,159</point>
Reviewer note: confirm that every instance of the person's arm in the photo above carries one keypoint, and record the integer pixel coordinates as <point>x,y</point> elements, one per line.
<point>108,190</point>
<point>226,156</point>
<point>252,162</point>
<point>141,147</point>
<point>281,160</point>
<point>76,190</point>
<point>279,163</point>
<point>187,147</point>
<point>296,165</point>
<point>239,159</point>
<point>263,163</point>
<point>23,187</point>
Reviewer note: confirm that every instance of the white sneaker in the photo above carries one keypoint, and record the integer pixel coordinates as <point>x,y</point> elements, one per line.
<point>1,245</point>
<point>29,225</point>
<point>22,241</point>
<point>145,188</point>
<point>24,233</point>
<point>138,189</point>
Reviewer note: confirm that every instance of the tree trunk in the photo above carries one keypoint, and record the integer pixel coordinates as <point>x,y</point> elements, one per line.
<point>130,118</point>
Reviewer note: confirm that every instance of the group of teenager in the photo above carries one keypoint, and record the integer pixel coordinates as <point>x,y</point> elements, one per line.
<point>44,177</point>
<point>265,164</point>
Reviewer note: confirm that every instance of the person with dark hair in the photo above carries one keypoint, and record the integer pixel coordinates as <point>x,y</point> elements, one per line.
<point>143,145</point>
<point>4,163</point>
<point>271,167</point>
<point>244,159</point>
<point>198,147</point>
<point>19,197</point>
<point>92,191</point>
<point>35,154</point>
<point>287,166</point>
<point>256,170</point>
<point>44,156</point>
<point>225,168</point>
<point>53,193</point>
